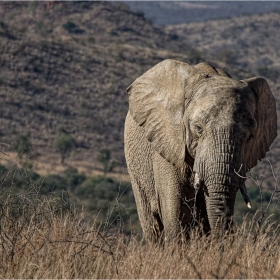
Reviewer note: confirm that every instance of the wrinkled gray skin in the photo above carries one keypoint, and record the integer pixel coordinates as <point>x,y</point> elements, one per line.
<point>186,120</point>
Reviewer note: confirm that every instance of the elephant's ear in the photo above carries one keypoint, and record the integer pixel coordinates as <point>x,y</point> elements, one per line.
<point>157,101</point>
<point>266,118</point>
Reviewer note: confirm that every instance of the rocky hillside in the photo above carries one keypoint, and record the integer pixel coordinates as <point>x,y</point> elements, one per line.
<point>65,67</point>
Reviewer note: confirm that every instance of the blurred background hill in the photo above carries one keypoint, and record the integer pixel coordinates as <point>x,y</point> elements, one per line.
<point>175,12</point>
<point>65,67</point>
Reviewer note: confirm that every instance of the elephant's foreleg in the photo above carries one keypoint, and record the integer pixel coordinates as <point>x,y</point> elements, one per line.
<point>150,221</point>
<point>139,158</point>
<point>175,197</point>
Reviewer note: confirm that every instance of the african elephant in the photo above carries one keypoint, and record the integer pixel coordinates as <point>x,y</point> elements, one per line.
<point>191,134</point>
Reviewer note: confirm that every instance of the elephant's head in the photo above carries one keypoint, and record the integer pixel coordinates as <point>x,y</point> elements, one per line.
<point>201,116</point>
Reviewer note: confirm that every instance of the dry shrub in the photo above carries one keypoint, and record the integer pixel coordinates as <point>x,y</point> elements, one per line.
<point>43,237</point>
<point>249,253</point>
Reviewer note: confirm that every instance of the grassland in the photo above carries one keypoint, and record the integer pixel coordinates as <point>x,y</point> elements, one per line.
<point>44,237</point>
<point>72,226</point>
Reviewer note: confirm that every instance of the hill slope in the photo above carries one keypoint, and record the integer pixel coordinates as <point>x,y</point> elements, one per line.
<point>65,66</point>
<point>175,12</point>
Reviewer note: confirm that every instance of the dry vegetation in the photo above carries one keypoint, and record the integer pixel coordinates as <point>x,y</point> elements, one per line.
<point>44,237</point>
<point>64,69</point>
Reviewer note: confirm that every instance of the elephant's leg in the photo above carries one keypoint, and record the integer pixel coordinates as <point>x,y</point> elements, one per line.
<point>149,218</point>
<point>139,156</point>
<point>175,196</point>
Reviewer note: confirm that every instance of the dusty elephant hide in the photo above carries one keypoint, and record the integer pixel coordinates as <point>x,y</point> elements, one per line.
<point>193,128</point>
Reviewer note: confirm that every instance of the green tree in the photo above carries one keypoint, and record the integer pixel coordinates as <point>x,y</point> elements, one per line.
<point>64,144</point>
<point>69,26</point>
<point>104,157</point>
<point>22,145</point>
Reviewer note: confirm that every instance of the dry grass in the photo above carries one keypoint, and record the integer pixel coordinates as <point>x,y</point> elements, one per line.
<point>43,237</point>
<point>50,163</point>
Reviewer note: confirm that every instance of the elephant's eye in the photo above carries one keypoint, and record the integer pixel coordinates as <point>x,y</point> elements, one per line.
<point>250,137</point>
<point>198,129</point>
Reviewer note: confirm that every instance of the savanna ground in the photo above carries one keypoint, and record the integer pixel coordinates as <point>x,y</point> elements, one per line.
<point>43,235</point>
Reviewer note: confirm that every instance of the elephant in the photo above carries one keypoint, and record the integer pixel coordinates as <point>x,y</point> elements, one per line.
<point>191,134</point>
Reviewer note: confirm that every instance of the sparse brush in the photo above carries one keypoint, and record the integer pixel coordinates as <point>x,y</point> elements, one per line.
<point>43,236</point>
<point>40,238</point>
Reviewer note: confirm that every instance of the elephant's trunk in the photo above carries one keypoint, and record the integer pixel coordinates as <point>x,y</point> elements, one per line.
<point>217,165</point>
<point>220,206</point>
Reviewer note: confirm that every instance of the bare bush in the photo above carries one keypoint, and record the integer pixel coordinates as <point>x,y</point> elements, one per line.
<point>41,239</point>
<point>43,236</point>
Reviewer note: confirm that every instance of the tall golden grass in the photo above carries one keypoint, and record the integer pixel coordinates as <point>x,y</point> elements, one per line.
<point>41,237</point>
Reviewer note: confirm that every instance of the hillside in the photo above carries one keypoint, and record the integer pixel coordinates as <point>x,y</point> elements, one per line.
<point>249,42</point>
<point>164,13</point>
<point>65,67</point>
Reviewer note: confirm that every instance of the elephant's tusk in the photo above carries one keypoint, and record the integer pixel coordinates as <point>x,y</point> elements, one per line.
<point>245,195</point>
<point>197,181</point>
